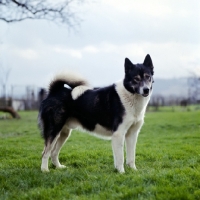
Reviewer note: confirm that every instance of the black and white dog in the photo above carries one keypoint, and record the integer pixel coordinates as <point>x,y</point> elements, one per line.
<point>116,111</point>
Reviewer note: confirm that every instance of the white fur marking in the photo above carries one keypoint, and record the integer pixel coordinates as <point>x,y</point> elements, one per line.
<point>67,86</point>
<point>70,77</point>
<point>118,149</point>
<point>73,123</point>
<point>99,130</point>
<point>131,140</point>
<point>134,104</point>
<point>78,91</point>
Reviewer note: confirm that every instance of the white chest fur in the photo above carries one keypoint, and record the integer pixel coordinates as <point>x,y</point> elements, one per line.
<point>134,104</point>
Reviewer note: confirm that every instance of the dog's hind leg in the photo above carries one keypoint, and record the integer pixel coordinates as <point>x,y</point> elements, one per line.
<point>131,140</point>
<point>49,145</point>
<point>64,135</point>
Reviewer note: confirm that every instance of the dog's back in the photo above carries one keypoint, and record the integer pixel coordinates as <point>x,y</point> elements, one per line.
<point>99,107</point>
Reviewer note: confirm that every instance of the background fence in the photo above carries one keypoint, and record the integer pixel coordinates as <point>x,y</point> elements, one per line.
<point>22,97</point>
<point>29,97</point>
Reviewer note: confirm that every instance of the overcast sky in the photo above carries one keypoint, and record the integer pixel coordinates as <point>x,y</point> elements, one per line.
<point>111,30</point>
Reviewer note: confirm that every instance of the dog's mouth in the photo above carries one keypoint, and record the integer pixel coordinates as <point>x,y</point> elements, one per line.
<point>145,95</point>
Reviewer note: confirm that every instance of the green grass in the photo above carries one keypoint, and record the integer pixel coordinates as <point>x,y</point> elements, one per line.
<point>168,162</point>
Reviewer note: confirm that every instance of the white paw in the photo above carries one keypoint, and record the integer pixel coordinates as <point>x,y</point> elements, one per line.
<point>61,167</point>
<point>44,170</point>
<point>131,165</point>
<point>134,168</point>
<point>120,170</point>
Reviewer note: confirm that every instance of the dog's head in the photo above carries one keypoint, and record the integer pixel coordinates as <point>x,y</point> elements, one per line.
<point>139,78</point>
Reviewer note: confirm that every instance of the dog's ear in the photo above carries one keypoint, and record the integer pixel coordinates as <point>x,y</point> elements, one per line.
<point>148,62</point>
<point>128,65</point>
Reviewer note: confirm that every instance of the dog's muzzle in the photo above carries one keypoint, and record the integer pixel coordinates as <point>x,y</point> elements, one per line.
<point>146,92</point>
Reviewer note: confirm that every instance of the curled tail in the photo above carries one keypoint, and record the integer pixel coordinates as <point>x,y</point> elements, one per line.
<point>72,80</point>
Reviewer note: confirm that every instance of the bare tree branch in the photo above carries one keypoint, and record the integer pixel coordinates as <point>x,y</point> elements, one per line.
<point>4,74</point>
<point>19,10</point>
<point>194,87</point>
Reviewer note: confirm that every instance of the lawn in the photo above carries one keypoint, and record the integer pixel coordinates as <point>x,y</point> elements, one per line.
<point>168,162</point>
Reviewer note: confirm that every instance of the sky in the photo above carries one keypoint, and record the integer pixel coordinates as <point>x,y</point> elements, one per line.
<point>110,31</point>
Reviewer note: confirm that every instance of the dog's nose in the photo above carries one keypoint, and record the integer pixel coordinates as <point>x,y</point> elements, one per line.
<point>146,90</point>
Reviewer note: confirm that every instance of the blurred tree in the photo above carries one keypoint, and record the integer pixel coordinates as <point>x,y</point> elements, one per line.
<point>19,10</point>
<point>4,107</point>
<point>57,11</point>
<point>4,74</point>
<point>194,88</point>
<point>157,101</point>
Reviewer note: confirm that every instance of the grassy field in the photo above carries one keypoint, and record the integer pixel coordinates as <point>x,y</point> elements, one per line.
<point>168,162</point>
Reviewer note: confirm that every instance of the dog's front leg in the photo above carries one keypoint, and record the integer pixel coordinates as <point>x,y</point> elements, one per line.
<point>118,153</point>
<point>131,140</point>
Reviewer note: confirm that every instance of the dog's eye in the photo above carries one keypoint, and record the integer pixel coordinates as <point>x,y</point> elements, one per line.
<point>148,77</point>
<point>136,79</point>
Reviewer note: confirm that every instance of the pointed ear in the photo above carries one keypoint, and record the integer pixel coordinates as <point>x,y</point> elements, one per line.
<point>128,65</point>
<point>148,62</point>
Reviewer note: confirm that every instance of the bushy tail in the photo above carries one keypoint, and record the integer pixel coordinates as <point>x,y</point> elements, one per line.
<point>71,79</point>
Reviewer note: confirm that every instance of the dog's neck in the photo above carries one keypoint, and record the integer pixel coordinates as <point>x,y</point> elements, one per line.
<point>131,101</point>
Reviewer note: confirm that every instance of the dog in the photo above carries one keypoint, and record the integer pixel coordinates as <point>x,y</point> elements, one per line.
<point>116,111</point>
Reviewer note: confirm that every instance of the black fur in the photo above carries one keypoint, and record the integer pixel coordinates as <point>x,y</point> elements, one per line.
<point>132,70</point>
<point>54,110</point>
<point>99,106</point>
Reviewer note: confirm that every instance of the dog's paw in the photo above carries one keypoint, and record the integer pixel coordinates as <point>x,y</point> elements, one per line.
<point>132,166</point>
<point>120,170</point>
<point>60,167</point>
<point>45,170</point>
